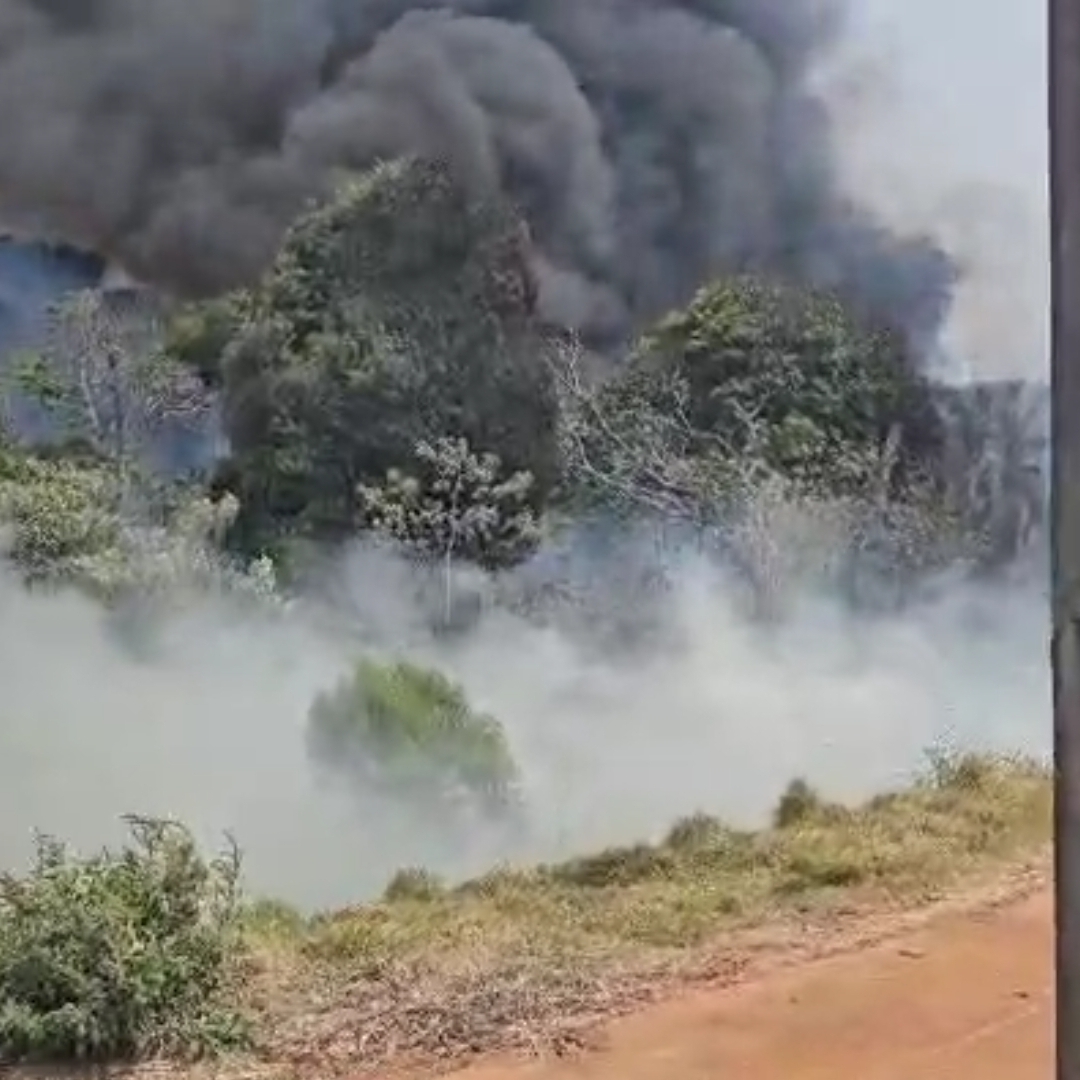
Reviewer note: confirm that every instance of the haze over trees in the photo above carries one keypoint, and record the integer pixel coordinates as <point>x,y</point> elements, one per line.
<point>389,380</point>
<point>635,312</point>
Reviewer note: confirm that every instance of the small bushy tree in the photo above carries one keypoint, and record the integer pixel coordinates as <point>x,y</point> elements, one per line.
<point>127,954</point>
<point>454,505</point>
<point>55,513</point>
<point>409,731</point>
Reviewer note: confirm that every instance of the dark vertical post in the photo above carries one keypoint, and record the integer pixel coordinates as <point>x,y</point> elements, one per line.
<point>1064,113</point>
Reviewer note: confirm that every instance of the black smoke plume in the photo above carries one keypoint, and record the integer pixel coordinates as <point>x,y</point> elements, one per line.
<point>651,143</point>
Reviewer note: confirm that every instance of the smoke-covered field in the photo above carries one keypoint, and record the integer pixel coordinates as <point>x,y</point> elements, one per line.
<point>652,145</point>
<point>208,724</point>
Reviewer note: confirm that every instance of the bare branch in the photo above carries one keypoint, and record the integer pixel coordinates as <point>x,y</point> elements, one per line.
<point>116,387</point>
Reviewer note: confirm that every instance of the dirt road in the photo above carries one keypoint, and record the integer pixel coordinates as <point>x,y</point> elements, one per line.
<point>968,995</point>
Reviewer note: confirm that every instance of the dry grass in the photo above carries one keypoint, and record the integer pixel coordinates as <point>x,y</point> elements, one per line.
<point>529,958</point>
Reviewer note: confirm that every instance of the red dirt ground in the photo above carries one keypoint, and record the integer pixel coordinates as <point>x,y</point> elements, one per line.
<point>968,995</point>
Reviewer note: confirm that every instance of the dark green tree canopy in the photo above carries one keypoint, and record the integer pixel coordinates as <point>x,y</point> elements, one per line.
<point>787,374</point>
<point>755,379</point>
<point>400,312</point>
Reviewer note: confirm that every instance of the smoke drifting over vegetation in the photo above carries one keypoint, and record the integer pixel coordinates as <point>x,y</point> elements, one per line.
<point>651,145</point>
<point>654,147</point>
<point>209,725</point>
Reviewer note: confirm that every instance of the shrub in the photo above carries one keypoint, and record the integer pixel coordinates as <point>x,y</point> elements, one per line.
<point>126,954</point>
<point>414,883</point>
<point>55,513</point>
<point>798,803</point>
<point>694,832</point>
<point>615,866</point>
<point>411,731</point>
<point>948,769</point>
<point>69,521</point>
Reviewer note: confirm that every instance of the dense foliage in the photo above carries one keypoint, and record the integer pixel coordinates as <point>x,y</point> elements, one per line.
<point>55,514</point>
<point>399,312</point>
<point>755,381</point>
<point>74,521</point>
<point>786,374</point>
<point>127,953</point>
<point>387,375</point>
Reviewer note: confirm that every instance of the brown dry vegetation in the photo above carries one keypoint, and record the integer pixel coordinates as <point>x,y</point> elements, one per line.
<point>530,959</point>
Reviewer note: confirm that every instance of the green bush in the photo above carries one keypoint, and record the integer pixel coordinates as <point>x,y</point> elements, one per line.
<point>412,732</point>
<point>68,521</point>
<point>55,513</point>
<point>127,954</point>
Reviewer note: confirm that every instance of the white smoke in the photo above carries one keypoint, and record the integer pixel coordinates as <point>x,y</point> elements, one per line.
<point>941,122</point>
<point>208,724</point>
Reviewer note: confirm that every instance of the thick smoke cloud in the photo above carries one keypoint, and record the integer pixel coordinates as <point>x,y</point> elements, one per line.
<point>650,143</point>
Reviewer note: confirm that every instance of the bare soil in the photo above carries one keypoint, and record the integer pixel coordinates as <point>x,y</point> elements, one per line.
<point>965,992</point>
<point>957,989</point>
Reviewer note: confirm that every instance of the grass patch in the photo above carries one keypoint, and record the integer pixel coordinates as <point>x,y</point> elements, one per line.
<point>135,954</point>
<point>965,813</point>
<point>523,956</point>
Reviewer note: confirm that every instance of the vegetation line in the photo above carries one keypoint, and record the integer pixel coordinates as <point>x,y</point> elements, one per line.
<point>151,950</point>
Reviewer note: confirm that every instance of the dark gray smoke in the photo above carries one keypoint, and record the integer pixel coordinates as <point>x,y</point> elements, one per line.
<point>650,142</point>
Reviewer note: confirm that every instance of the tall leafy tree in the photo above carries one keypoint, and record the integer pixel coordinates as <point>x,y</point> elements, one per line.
<point>755,380</point>
<point>397,313</point>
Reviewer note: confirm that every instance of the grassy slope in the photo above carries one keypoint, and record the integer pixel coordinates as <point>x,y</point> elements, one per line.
<point>522,955</point>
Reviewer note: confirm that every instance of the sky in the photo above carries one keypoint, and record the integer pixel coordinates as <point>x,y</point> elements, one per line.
<point>944,128</point>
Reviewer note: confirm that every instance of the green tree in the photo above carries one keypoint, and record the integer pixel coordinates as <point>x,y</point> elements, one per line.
<point>754,382</point>
<point>454,505</point>
<point>789,377</point>
<point>196,336</point>
<point>800,442</point>
<point>411,732</point>
<point>400,311</point>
